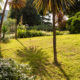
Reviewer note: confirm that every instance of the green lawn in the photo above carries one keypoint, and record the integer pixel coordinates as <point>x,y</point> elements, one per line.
<point>68,48</point>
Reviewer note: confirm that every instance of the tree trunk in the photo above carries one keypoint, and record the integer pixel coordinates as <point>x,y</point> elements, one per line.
<point>16,31</point>
<point>54,34</point>
<point>3,17</point>
<point>0,32</point>
<point>0,42</point>
<point>16,24</point>
<point>3,35</point>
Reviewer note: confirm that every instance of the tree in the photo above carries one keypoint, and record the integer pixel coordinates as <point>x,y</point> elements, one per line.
<point>29,13</point>
<point>3,17</point>
<point>73,9</point>
<point>54,6</point>
<point>17,5</point>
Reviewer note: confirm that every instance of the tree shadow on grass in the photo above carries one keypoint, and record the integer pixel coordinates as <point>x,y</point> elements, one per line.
<point>39,61</point>
<point>0,50</point>
<point>62,71</point>
<point>21,43</point>
<point>36,59</point>
<point>5,40</point>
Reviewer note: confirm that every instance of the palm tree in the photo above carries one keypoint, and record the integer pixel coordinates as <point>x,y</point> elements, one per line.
<point>17,5</point>
<point>54,6</point>
<point>3,17</point>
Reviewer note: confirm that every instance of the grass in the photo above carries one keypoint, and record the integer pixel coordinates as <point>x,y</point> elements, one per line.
<point>68,48</point>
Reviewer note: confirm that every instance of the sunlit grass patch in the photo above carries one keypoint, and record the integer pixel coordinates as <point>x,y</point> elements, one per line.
<point>68,48</point>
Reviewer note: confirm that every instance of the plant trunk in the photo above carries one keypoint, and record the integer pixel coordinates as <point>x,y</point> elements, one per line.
<point>16,24</point>
<point>3,17</point>
<point>54,33</point>
<point>3,35</point>
<point>16,31</point>
<point>0,32</point>
<point>0,41</point>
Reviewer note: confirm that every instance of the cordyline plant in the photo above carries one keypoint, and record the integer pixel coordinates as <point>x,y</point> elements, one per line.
<point>54,6</point>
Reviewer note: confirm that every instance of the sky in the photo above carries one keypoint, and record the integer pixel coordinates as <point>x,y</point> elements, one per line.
<point>7,8</point>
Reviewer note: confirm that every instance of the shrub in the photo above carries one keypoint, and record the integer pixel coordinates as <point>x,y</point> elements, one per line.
<point>4,30</point>
<point>10,24</point>
<point>68,25</point>
<point>58,32</point>
<point>77,14</point>
<point>30,33</point>
<point>9,70</point>
<point>73,24</point>
<point>62,32</point>
<point>22,27</point>
<point>42,27</point>
<point>21,33</point>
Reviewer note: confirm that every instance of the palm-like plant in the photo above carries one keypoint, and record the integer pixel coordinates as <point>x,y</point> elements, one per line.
<point>17,5</point>
<point>54,6</point>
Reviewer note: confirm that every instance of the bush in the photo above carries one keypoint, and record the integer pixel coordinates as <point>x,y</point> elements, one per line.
<point>30,33</point>
<point>4,30</point>
<point>68,25</point>
<point>77,14</point>
<point>9,70</point>
<point>43,27</point>
<point>22,27</point>
<point>62,32</point>
<point>21,33</point>
<point>10,24</point>
<point>73,24</point>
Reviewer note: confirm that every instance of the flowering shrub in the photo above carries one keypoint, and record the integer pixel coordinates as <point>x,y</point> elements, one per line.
<point>9,70</point>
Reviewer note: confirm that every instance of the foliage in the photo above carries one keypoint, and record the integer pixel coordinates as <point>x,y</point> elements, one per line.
<point>10,24</point>
<point>4,30</point>
<point>68,24</point>
<point>73,8</point>
<point>17,14</point>
<point>47,5</point>
<point>29,13</point>
<point>77,14</point>
<point>21,33</point>
<point>62,32</point>
<point>36,58</point>
<point>73,24</point>
<point>30,33</point>
<point>16,8</point>
<point>17,4</point>
<point>42,27</point>
<point>22,27</point>
<point>9,70</point>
